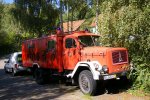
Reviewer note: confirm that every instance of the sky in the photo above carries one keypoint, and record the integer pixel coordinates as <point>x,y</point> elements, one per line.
<point>8,1</point>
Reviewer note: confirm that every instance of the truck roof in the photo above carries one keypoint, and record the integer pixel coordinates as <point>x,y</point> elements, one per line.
<point>73,34</point>
<point>82,33</point>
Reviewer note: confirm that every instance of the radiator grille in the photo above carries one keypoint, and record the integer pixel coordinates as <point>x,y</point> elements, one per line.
<point>119,56</point>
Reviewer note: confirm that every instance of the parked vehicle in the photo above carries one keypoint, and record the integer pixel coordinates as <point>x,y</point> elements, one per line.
<point>14,64</point>
<point>77,57</point>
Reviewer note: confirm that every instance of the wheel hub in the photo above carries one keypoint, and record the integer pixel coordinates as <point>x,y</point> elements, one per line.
<point>85,83</point>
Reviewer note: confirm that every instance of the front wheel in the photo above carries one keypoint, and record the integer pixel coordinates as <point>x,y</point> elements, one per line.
<point>14,71</point>
<point>5,70</point>
<point>86,82</point>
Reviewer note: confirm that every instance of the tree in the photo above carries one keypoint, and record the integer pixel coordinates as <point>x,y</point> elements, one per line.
<point>1,31</point>
<point>3,35</point>
<point>125,23</point>
<point>78,9</point>
<point>35,16</point>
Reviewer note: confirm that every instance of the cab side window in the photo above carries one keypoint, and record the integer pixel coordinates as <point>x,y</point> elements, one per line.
<point>51,44</point>
<point>70,43</point>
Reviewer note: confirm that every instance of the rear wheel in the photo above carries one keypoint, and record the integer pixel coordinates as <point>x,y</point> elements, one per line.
<point>86,82</point>
<point>40,76</point>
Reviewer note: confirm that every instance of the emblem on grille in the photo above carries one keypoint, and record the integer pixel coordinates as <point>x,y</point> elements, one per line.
<point>120,58</point>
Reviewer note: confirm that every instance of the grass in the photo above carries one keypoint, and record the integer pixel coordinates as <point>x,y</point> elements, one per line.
<point>87,97</point>
<point>138,92</point>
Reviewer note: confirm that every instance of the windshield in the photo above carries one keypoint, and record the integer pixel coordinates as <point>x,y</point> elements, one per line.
<point>87,41</point>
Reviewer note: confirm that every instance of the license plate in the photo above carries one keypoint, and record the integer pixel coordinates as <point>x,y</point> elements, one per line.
<point>109,77</point>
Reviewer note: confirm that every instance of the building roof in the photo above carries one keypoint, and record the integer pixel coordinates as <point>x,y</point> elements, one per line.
<point>93,24</point>
<point>76,25</point>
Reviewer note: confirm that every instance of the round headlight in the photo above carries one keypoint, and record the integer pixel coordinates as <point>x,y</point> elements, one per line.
<point>105,68</point>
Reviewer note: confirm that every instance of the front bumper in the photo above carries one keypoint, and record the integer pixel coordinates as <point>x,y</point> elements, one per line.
<point>112,76</point>
<point>20,68</point>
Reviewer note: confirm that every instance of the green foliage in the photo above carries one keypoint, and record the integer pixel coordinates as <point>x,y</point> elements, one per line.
<point>2,33</point>
<point>125,23</point>
<point>141,74</point>
<point>78,9</point>
<point>11,33</point>
<point>24,20</point>
<point>1,12</point>
<point>35,16</point>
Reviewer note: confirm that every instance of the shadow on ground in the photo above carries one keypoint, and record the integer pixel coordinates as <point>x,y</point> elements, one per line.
<point>116,86</point>
<point>24,87</point>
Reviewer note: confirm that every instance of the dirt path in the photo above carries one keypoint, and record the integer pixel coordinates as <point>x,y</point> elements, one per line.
<point>25,88</point>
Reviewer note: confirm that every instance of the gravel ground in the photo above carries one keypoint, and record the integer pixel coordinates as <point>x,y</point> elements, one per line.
<point>24,88</point>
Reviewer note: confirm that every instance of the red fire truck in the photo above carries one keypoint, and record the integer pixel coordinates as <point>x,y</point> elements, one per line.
<point>77,56</point>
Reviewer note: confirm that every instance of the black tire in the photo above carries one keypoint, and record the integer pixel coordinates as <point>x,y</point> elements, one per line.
<point>5,70</point>
<point>14,72</point>
<point>124,80</point>
<point>40,76</point>
<point>86,82</point>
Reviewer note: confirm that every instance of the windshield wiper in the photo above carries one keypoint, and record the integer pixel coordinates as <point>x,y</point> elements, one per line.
<point>93,41</point>
<point>83,44</point>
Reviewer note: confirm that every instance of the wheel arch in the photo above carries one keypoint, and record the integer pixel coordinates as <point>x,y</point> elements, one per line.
<point>34,67</point>
<point>79,70</point>
<point>85,66</point>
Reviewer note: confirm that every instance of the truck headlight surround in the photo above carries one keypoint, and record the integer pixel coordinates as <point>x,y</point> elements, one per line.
<point>97,67</point>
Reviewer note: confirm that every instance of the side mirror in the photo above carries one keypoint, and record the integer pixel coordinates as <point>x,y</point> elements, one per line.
<point>81,47</point>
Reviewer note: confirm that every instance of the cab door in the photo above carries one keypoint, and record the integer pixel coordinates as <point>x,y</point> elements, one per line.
<point>70,53</point>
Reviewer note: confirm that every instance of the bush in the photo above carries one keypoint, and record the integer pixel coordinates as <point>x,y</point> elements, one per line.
<point>126,24</point>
